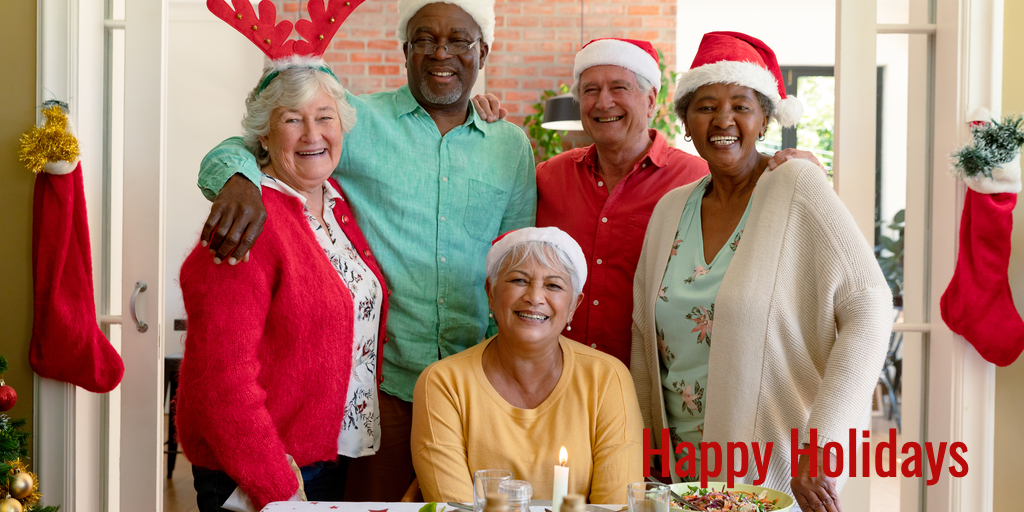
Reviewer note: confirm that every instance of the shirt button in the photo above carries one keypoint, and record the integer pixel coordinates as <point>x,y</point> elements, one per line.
<point>599,261</point>
<point>440,301</point>
<point>596,302</point>
<point>593,345</point>
<point>604,219</point>
<point>644,165</point>
<point>443,219</point>
<point>344,219</point>
<point>444,179</point>
<point>600,183</point>
<point>443,259</point>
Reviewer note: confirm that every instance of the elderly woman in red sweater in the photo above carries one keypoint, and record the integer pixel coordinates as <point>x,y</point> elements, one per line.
<point>280,372</point>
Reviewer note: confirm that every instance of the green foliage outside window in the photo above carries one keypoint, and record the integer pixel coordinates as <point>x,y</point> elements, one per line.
<point>889,253</point>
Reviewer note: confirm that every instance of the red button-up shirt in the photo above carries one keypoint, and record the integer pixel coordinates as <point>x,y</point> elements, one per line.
<point>610,228</point>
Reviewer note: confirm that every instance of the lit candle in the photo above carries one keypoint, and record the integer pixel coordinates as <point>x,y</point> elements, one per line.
<point>561,487</point>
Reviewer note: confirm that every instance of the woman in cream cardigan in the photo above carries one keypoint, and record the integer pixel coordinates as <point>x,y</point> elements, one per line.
<point>758,309</point>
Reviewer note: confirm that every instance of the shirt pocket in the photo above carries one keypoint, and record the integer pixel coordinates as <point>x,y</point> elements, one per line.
<point>484,209</point>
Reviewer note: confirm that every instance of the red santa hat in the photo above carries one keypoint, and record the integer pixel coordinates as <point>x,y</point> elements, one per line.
<point>735,58</point>
<point>482,12</point>
<point>637,56</point>
<point>550,235</point>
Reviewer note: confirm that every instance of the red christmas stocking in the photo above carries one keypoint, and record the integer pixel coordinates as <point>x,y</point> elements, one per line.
<point>977,304</point>
<point>67,344</point>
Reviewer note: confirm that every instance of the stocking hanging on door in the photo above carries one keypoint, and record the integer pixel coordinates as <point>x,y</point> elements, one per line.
<point>67,344</point>
<point>978,304</point>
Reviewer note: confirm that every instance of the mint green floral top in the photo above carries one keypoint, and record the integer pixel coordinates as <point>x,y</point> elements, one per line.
<point>685,317</point>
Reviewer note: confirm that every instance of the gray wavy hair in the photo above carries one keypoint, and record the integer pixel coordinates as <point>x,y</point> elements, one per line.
<point>299,81</point>
<point>547,254</point>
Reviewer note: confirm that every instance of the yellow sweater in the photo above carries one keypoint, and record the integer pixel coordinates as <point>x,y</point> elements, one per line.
<point>461,424</point>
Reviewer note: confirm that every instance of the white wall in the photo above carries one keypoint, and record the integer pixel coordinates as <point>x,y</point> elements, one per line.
<point>211,68</point>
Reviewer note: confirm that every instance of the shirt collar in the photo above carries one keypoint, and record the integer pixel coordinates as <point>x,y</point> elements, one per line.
<point>407,104</point>
<point>657,154</point>
<point>330,194</point>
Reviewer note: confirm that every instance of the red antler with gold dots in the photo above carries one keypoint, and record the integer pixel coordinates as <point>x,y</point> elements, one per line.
<point>272,38</point>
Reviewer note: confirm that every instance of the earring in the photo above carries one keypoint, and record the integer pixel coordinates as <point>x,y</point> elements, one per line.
<point>490,314</point>
<point>760,136</point>
<point>687,138</point>
<point>264,148</point>
<point>568,325</point>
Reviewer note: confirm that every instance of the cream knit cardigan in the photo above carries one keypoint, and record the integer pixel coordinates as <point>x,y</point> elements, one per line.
<point>802,322</point>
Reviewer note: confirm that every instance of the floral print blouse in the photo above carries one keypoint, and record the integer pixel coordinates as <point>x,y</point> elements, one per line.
<point>685,319</point>
<point>360,428</point>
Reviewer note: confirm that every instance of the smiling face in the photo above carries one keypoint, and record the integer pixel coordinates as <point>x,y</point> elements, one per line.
<point>725,121</point>
<point>532,302</point>
<point>439,79</point>
<point>305,143</point>
<point>613,107</point>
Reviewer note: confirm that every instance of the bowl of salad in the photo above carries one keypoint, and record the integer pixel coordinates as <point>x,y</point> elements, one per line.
<point>738,498</point>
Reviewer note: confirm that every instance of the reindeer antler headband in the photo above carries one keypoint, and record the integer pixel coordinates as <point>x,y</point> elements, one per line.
<point>272,38</point>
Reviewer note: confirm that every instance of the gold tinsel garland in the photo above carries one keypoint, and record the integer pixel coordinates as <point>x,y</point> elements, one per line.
<point>50,143</point>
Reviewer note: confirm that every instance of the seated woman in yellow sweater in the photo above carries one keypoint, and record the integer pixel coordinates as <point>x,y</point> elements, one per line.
<point>513,400</point>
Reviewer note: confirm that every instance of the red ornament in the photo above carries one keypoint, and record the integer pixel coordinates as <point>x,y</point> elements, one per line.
<point>7,397</point>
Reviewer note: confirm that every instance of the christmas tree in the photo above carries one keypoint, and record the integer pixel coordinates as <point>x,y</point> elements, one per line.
<point>19,488</point>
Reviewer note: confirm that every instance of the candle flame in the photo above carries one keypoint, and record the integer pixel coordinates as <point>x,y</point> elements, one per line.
<point>563,457</point>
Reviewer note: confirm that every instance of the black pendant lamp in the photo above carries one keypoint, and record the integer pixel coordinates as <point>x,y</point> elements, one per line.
<point>562,112</point>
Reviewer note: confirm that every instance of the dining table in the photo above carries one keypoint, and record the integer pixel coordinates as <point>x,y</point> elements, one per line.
<point>341,506</point>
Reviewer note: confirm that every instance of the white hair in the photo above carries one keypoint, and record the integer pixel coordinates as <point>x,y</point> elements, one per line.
<point>545,253</point>
<point>299,81</point>
<point>644,84</point>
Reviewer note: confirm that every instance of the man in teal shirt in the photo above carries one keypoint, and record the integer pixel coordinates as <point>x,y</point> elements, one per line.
<point>431,185</point>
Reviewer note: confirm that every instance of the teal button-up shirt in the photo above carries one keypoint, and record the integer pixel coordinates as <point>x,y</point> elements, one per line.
<point>429,207</point>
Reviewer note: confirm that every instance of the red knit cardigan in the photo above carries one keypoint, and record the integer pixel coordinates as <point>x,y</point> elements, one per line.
<point>268,354</point>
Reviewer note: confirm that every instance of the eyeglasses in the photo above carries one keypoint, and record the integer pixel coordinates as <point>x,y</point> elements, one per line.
<point>429,47</point>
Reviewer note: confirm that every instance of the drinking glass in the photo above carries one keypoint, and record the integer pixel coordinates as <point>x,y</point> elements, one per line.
<point>485,482</point>
<point>519,493</point>
<point>647,497</point>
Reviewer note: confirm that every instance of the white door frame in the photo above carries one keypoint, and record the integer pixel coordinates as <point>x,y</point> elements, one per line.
<point>963,72</point>
<point>104,452</point>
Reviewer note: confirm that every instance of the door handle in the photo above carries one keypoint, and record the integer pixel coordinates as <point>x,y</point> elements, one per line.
<point>140,286</point>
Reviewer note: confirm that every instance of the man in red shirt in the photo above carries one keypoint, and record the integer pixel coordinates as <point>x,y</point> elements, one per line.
<point>603,195</point>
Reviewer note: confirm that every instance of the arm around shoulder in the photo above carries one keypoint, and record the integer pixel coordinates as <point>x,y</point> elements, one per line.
<point>228,158</point>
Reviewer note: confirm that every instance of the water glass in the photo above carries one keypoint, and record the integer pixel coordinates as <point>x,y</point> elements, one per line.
<point>647,497</point>
<point>485,482</point>
<point>519,493</point>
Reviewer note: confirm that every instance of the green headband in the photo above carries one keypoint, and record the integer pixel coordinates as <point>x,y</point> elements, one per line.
<point>266,81</point>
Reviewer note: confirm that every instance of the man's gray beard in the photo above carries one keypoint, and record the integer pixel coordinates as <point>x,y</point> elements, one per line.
<point>441,99</point>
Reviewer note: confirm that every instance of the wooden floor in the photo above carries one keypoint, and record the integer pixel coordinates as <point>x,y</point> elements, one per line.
<point>179,494</point>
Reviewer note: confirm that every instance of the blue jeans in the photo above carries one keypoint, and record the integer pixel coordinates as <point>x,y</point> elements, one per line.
<point>322,481</point>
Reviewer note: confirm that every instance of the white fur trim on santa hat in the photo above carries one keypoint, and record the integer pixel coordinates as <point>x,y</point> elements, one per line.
<point>1004,179</point>
<point>788,111</point>
<point>482,11</point>
<point>614,52</point>
<point>60,168</point>
<point>554,236</point>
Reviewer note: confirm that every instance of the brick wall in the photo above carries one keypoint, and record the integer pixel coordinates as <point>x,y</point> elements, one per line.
<point>534,45</point>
